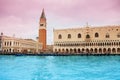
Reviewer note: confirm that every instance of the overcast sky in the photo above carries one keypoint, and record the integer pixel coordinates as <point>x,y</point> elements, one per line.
<point>21,17</point>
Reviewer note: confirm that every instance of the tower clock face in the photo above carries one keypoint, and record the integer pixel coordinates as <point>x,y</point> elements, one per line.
<point>41,24</point>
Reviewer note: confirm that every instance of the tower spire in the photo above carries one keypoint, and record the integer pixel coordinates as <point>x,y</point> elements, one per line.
<point>43,14</point>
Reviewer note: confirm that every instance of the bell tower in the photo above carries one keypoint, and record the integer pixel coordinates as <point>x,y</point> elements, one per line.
<point>42,30</point>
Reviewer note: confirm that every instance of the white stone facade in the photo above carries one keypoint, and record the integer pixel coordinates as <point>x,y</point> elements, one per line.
<point>12,44</point>
<point>104,39</point>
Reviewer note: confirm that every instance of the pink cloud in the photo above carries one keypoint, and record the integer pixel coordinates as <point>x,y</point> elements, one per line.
<point>22,16</point>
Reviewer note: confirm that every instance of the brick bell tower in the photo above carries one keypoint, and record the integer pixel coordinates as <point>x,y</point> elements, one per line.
<point>42,30</point>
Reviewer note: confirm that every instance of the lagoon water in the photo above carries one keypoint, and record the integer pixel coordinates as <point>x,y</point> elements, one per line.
<point>59,67</point>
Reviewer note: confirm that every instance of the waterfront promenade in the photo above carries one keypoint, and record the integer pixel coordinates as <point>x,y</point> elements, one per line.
<point>59,54</point>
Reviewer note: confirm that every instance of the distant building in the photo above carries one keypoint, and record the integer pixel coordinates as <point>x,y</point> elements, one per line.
<point>104,39</point>
<point>42,30</point>
<point>49,48</point>
<point>12,44</point>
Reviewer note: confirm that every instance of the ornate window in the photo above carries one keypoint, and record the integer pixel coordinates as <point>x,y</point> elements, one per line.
<point>59,36</point>
<point>69,36</point>
<point>107,35</point>
<point>96,35</point>
<point>79,35</point>
<point>87,36</point>
<point>118,35</point>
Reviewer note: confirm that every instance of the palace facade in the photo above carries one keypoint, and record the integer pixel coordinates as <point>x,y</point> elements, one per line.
<point>12,44</point>
<point>105,39</point>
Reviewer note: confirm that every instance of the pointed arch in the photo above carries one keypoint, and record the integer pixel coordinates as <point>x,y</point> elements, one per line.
<point>63,50</point>
<point>109,50</point>
<point>75,51</point>
<point>87,50</point>
<point>91,50</point>
<point>59,50</point>
<point>113,50</point>
<point>69,36</point>
<point>96,51</point>
<point>87,36</point>
<point>67,50</point>
<point>71,50</point>
<point>83,49</point>
<point>100,50</point>
<point>104,50</point>
<point>79,50</point>
<point>59,36</point>
<point>79,35</point>
<point>96,35</point>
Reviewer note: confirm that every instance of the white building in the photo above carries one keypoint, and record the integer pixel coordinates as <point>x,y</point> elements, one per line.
<point>12,44</point>
<point>105,39</point>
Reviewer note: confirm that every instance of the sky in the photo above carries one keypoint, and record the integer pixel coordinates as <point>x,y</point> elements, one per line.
<point>20,18</point>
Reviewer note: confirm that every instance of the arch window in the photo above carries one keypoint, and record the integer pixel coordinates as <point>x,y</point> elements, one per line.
<point>114,50</point>
<point>96,35</point>
<point>62,50</point>
<point>9,50</point>
<point>59,50</point>
<point>10,43</point>
<point>95,50</point>
<point>91,50</point>
<point>87,36</point>
<point>79,35</point>
<point>67,50</point>
<point>118,35</point>
<point>75,50</point>
<point>69,36</point>
<point>109,50</point>
<point>87,50</point>
<point>107,35</point>
<point>71,50</point>
<point>55,50</point>
<point>5,43</point>
<point>59,36</point>
<point>100,50</point>
<point>79,50</point>
<point>82,49</point>
<point>104,50</point>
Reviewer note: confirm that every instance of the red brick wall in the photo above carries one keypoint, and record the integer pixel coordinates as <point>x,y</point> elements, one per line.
<point>42,38</point>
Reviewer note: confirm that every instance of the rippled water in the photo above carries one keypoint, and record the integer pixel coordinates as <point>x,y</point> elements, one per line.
<point>59,67</point>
